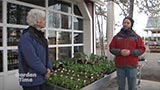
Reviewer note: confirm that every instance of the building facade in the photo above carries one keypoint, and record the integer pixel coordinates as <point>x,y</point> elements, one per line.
<point>153,34</point>
<point>69,29</point>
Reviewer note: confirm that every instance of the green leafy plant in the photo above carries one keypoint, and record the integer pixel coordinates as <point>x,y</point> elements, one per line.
<point>80,71</point>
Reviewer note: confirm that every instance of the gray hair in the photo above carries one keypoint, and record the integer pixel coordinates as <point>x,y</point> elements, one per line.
<point>34,15</point>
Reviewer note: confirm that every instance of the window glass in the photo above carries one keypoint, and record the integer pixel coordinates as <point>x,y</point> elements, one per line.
<point>78,38</point>
<point>13,36</point>
<point>64,52</point>
<point>78,24</point>
<point>12,59</point>
<point>54,20</point>
<point>78,49</point>
<point>60,6</point>
<point>1,61</point>
<point>16,14</point>
<point>77,11</point>
<point>52,37</point>
<point>52,53</point>
<point>66,22</point>
<point>64,37</point>
<point>35,2</point>
<point>0,10</point>
<point>1,37</point>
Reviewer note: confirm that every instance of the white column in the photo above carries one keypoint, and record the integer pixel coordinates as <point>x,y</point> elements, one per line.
<point>110,26</point>
<point>5,63</point>
<point>88,43</point>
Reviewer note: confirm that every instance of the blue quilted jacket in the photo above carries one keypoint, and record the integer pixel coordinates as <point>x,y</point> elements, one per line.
<point>33,57</point>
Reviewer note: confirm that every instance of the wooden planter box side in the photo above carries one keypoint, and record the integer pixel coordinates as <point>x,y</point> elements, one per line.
<point>55,87</point>
<point>103,81</point>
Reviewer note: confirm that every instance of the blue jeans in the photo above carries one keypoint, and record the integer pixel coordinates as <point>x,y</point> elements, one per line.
<point>131,75</point>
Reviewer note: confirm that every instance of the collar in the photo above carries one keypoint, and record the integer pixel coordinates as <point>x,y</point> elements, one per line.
<point>126,33</point>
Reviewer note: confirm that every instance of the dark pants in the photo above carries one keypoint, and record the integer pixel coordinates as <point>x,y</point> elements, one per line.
<point>38,87</point>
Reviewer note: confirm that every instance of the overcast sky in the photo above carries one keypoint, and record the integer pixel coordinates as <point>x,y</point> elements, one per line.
<point>139,18</point>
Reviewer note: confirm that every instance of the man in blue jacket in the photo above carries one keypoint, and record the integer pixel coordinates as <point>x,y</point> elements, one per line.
<point>34,63</point>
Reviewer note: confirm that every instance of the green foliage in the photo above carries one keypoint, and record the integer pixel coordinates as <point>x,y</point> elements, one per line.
<point>80,71</point>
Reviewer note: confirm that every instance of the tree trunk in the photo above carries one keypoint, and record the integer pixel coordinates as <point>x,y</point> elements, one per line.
<point>101,37</point>
<point>131,8</point>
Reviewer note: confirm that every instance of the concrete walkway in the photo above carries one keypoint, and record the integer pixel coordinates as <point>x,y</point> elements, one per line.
<point>149,85</point>
<point>144,85</point>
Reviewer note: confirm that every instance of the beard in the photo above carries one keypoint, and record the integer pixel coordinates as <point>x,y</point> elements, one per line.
<point>126,28</point>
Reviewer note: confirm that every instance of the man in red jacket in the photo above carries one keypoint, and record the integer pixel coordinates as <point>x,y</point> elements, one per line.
<point>127,46</point>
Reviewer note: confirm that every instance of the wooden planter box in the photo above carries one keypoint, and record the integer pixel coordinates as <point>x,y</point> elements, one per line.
<point>93,86</point>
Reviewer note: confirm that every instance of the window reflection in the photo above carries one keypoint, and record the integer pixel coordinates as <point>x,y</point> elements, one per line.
<point>78,38</point>
<point>64,52</point>
<point>78,24</point>
<point>54,20</point>
<point>13,36</point>
<point>1,61</point>
<point>64,37</point>
<point>78,49</point>
<point>52,53</point>
<point>17,14</point>
<point>0,11</point>
<point>52,37</point>
<point>12,59</point>
<point>66,22</point>
<point>35,2</point>
<point>60,6</point>
<point>1,37</point>
<point>77,11</point>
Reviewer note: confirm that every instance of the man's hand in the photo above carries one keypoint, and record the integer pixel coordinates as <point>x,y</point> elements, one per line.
<point>47,75</point>
<point>125,52</point>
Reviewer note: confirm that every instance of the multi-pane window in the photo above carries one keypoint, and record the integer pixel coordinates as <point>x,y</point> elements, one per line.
<point>0,11</point>
<point>54,20</point>
<point>59,21</point>
<point>64,37</point>
<point>1,39</point>
<point>78,23</point>
<point>1,55</point>
<point>52,53</point>
<point>60,6</point>
<point>35,2</point>
<point>64,52</point>
<point>52,37</point>
<point>78,49</point>
<point>12,59</point>
<point>13,36</point>
<point>16,14</point>
<point>77,11</point>
<point>64,28</point>
<point>66,22</point>
<point>78,38</point>
<point>1,62</point>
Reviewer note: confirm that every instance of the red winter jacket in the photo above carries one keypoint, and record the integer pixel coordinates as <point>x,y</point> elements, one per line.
<point>127,40</point>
